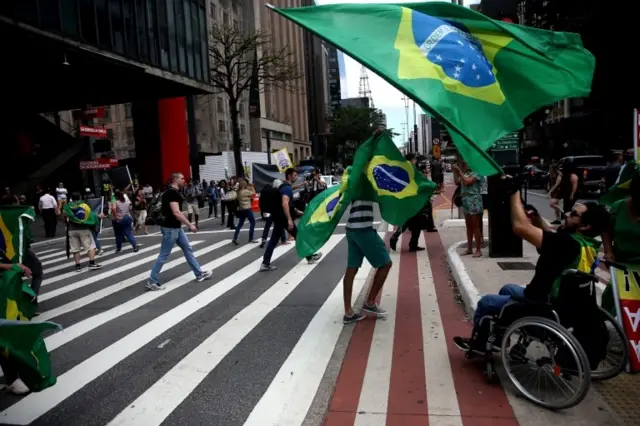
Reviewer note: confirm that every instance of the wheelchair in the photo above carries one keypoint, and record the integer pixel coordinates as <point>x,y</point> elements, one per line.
<point>537,349</point>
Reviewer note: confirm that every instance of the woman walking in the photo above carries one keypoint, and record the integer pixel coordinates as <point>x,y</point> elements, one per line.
<point>245,193</point>
<point>140,210</point>
<point>470,192</point>
<point>122,221</point>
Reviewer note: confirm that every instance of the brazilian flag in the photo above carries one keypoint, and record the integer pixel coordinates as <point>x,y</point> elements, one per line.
<point>79,212</point>
<point>480,77</point>
<point>20,339</point>
<point>321,217</point>
<point>15,232</point>
<point>379,173</point>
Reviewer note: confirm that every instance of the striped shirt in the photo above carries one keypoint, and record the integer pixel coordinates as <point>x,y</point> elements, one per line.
<point>360,215</point>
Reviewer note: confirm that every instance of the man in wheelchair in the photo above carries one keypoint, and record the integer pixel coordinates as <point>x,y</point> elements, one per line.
<point>558,251</point>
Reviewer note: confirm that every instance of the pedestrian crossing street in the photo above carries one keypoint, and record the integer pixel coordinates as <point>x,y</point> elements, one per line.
<point>246,347</point>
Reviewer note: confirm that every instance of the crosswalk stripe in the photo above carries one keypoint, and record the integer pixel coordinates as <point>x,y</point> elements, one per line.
<point>96,277</point>
<point>52,255</point>
<point>93,297</point>
<point>40,253</point>
<point>155,405</point>
<point>35,405</point>
<point>444,402</point>
<point>375,386</point>
<point>83,258</point>
<point>78,329</point>
<point>63,256</point>
<point>291,393</point>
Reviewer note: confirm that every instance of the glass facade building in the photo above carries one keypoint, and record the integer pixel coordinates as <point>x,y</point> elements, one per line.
<point>167,34</point>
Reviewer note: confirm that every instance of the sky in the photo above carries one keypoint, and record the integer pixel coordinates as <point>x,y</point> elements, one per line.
<point>385,97</point>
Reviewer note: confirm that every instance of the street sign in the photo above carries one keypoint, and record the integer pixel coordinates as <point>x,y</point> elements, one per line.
<point>93,132</point>
<point>88,113</point>
<point>509,141</point>
<point>99,164</point>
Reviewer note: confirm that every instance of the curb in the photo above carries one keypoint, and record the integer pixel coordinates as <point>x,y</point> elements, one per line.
<point>468,291</point>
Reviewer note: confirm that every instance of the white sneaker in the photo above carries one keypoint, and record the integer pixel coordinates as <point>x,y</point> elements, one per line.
<point>205,276</point>
<point>18,388</point>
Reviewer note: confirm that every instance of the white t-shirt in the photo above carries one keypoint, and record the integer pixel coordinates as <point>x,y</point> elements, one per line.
<point>47,202</point>
<point>61,193</point>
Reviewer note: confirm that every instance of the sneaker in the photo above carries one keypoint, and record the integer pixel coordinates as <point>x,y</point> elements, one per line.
<point>235,242</point>
<point>314,258</point>
<point>18,388</point>
<point>99,252</point>
<point>79,268</point>
<point>355,317</point>
<point>205,276</point>
<point>374,310</point>
<point>262,243</point>
<point>94,266</point>
<point>265,268</point>
<point>416,249</point>
<point>254,241</point>
<point>154,286</point>
<point>136,249</point>
<point>463,343</point>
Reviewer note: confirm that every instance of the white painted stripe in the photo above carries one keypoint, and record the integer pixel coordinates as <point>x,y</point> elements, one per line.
<point>37,404</point>
<point>374,396</point>
<point>291,393</point>
<point>63,256</point>
<point>70,261</point>
<point>442,399</point>
<point>46,251</point>
<point>163,344</point>
<point>118,258</point>
<point>52,255</point>
<point>157,403</point>
<point>104,292</point>
<point>85,326</point>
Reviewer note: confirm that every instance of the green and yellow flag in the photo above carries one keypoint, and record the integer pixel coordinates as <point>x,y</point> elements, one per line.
<point>81,213</point>
<point>20,339</point>
<point>621,190</point>
<point>15,232</point>
<point>481,77</point>
<point>379,173</point>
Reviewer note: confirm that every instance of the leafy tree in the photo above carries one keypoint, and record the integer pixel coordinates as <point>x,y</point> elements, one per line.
<point>351,126</point>
<point>247,60</point>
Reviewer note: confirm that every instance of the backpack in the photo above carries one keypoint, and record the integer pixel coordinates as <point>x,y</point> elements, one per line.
<point>155,210</point>
<point>269,199</point>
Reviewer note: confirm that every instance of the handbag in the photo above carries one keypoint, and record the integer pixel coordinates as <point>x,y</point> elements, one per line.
<point>457,197</point>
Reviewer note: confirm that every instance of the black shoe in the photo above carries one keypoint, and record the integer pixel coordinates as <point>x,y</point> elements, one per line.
<point>392,243</point>
<point>432,230</point>
<point>78,268</point>
<point>136,249</point>
<point>416,248</point>
<point>262,244</point>
<point>94,266</point>
<point>355,317</point>
<point>463,343</point>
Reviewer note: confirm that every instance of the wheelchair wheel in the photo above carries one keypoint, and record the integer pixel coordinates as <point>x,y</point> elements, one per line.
<point>617,350</point>
<point>565,365</point>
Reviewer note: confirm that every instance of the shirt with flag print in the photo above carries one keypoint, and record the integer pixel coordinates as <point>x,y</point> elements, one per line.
<point>360,216</point>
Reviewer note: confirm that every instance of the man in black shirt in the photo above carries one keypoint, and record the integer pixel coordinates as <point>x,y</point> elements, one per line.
<point>172,234</point>
<point>557,251</point>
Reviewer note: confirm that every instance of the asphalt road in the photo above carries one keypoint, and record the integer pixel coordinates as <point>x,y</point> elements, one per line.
<point>218,343</point>
<point>540,200</point>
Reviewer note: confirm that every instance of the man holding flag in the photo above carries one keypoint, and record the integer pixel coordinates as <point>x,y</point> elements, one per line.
<point>80,222</point>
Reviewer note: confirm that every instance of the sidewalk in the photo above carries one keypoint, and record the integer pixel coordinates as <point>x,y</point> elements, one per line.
<point>612,402</point>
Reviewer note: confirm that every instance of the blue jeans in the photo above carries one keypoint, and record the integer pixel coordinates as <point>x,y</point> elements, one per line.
<point>242,215</point>
<point>491,304</point>
<point>96,239</point>
<point>123,228</point>
<point>267,226</point>
<point>171,237</point>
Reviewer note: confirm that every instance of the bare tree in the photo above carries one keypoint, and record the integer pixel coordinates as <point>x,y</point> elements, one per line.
<point>243,60</point>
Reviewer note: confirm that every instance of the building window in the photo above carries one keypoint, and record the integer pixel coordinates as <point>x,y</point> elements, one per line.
<point>213,11</point>
<point>107,112</point>
<point>221,127</point>
<point>242,129</point>
<point>127,111</point>
<point>235,23</point>
<point>130,138</point>
<point>225,18</point>
<point>110,134</point>
<point>241,109</point>
<point>220,105</point>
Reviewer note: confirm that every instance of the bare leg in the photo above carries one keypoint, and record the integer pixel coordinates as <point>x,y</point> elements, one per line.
<point>378,281</point>
<point>478,234</point>
<point>469,227</point>
<point>347,290</point>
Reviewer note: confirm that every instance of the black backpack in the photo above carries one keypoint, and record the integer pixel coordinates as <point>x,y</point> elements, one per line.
<point>269,199</point>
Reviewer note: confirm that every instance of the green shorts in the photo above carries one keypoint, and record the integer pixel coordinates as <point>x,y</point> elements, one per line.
<point>366,244</point>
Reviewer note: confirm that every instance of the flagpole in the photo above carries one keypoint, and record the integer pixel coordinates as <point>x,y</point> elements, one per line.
<point>415,128</point>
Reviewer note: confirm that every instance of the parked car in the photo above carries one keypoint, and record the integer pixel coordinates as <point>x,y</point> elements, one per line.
<point>590,170</point>
<point>534,176</point>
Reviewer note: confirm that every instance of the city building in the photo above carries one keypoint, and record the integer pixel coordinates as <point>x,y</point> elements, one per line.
<point>336,71</point>
<point>354,103</point>
<point>424,134</point>
<point>282,117</point>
